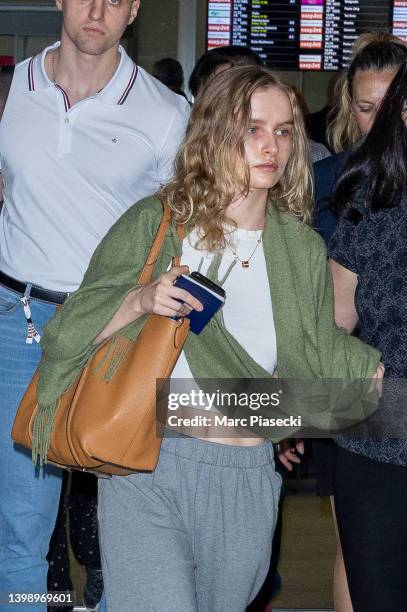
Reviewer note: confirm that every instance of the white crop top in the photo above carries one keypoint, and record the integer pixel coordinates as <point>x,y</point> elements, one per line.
<point>248,312</point>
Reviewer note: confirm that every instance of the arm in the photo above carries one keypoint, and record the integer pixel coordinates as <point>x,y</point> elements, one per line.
<point>340,354</point>
<point>345,283</point>
<point>159,297</point>
<point>5,85</point>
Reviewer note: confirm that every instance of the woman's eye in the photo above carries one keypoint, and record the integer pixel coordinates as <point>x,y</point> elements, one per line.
<point>252,130</point>
<point>114,2</point>
<point>283,132</point>
<point>365,109</point>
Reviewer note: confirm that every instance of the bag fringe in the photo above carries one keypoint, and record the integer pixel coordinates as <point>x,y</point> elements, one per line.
<point>118,349</point>
<point>42,430</point>
<point>44,421</point>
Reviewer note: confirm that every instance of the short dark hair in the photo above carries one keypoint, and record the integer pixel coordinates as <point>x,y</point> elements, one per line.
<point>169,71</point>
<point>376,173</point>
<point>207,64</point>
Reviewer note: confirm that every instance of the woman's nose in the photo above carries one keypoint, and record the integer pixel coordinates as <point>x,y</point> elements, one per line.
<point>270,144</point>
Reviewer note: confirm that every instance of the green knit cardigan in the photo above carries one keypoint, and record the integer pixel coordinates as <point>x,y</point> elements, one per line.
<point>309,344</point>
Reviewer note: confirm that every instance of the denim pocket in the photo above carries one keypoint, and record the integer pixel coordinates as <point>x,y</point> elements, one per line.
<point>9,301</point>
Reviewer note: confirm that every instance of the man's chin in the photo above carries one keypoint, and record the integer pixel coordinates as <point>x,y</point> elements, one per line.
<point>92,47</point>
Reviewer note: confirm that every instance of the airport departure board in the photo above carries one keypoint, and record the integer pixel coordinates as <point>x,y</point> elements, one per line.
<point>302,34</point>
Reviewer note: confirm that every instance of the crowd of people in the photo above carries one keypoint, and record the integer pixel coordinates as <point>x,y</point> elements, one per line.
<point>91,148</point>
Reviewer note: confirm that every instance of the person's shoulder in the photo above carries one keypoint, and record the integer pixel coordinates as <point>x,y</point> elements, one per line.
<point>146,212</point>
<point>330,164</point>
<point>140,219</point>
<point>160,95</point>
<point>318,151</point>
<point>23,65</point>
<point>20,72</point>
<point>300,234</point>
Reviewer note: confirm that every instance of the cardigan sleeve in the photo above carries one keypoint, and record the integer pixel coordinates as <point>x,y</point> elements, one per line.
<point>341,355</point>
<point>339,394</point>
<point>112,273</point>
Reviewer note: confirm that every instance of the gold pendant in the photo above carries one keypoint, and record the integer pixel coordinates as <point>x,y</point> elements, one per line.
<point>245,264</point>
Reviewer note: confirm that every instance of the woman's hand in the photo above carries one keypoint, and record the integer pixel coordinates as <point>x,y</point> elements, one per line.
<point>161,297</point>
<point>287,454</point>
<point>377,380</point>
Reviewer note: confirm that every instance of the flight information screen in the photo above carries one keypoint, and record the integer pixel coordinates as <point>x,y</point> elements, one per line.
<point>302,34</point>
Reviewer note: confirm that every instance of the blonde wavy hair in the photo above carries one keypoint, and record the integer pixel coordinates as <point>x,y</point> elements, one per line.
<point>207,177</point>
<point>371,51</point>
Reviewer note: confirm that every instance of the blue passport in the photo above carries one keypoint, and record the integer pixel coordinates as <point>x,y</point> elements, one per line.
<point>211,296</point>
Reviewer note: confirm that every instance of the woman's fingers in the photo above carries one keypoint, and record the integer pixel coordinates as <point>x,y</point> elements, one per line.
<point>171,276</point>
<point>377,380</point>
<point>287,453</point>
<point>162,297</point>
<point>299,445</point>
<point>285,462</point>
<point>165,291</point>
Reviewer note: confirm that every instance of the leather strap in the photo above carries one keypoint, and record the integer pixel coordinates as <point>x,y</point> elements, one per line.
<point>147,271</point>
<point>38,293</point>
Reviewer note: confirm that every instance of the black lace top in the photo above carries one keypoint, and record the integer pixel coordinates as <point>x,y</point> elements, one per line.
<point>376,250</point>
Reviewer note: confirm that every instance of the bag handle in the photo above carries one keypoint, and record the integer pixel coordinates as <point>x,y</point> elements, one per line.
<point>155,250</point>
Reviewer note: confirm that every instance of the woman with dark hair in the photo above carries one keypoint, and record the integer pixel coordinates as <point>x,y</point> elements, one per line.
<point>368,255</point>
<point>375,60</point>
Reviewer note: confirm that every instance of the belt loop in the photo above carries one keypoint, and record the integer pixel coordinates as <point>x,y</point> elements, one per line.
<point>32,333</point>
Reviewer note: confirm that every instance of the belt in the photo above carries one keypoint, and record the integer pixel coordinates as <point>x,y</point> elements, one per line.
<point>46,295</point>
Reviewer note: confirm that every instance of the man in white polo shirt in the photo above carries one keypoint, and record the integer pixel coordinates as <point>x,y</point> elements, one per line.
<point>85,133</point>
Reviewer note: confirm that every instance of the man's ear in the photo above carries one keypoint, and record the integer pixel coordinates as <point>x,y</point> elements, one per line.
<point>135,5</point>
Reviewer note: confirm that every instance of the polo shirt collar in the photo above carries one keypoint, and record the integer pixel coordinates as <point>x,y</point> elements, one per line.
<point>115,92</point>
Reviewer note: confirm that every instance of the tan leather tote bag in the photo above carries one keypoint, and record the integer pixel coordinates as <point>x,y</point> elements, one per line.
<point>110,427</point>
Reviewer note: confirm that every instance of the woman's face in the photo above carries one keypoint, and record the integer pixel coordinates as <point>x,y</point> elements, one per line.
<point>269,139</point>
<point>369,89</point>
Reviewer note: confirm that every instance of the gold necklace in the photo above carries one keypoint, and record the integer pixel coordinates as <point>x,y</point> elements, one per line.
<point>245,262</point>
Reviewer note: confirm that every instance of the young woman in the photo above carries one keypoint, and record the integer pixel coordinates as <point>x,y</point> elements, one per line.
<point>369,266</point>
<point>195,535</point>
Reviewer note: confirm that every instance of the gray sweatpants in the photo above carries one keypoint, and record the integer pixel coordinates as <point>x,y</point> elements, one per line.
<point>193,536</point>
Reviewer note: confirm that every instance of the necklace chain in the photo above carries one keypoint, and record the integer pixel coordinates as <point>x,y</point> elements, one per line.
<point>246,262</point>
<point>53,68</point>
<point>53,64</point>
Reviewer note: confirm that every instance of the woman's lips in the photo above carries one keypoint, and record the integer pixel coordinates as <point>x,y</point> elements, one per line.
<point>268,166</point>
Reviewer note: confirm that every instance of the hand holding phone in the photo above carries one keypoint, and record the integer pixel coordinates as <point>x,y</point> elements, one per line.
<point>210,295</point>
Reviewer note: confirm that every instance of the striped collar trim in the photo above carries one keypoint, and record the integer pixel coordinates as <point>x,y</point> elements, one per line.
<point>67,102</point>
<point>31,82</point>
<point>129,87</point>
<point>115,92</point>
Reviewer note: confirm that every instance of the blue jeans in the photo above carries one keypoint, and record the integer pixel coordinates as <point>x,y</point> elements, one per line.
<point>29,498</point>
